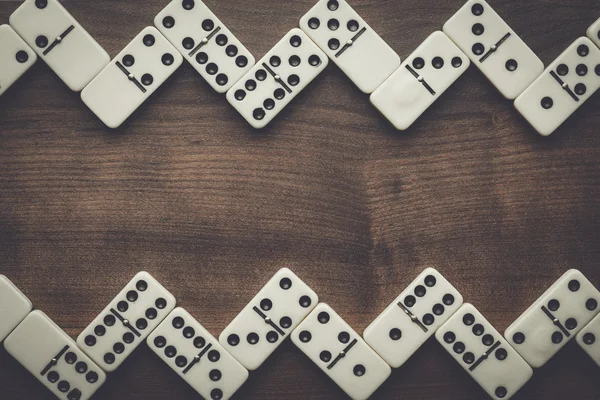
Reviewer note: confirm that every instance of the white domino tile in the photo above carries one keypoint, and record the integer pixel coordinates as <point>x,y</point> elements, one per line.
<point>413,317</point>
<point>494,47</point>
<point>50,355</point>
<point>126,322</point>
<point>16,57</point>
<point>421,79</point>
<point>589,339</point>
<point>14,307</point>
<point>564,86</point>
<point>132,77</point>
<point>593,32</point>
<point>60,41</point>
<point>288,68</point>
<point>483,353</point>
<point>554,318</point>
<point>205,42</point>
<point>268,319</point>
<point>196,356</point>
<point>350,43</point>
<point>341,353</point>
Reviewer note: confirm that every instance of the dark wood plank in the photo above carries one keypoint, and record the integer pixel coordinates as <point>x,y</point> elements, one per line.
<point>187,191</point>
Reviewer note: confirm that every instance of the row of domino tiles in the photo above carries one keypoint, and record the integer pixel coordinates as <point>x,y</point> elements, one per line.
<point>287,306</point>
<point>402,92</point>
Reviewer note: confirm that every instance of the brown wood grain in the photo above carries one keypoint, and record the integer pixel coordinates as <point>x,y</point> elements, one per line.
<point>187,191</point>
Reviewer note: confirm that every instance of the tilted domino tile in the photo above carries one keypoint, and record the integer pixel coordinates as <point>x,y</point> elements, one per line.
<point>16,57</point>
<point>554,319</point>
<point>423,77</point>
<point>341,353</point>
<point>53,358</point>
<point>14,307</point>
<point>564,86</point>
<point>126,322</point>
<point>351,43</point>
<point>132,77</point>
<point>494,48</point>
<point>205,42</point>
<point>268,319</point>
<point>277,78</point>
<point>593,32</point>
<point>474,343</point>
<point>402,328</point>
<point>197,357</point>
<point>60,41</point>
<point>589,339</point>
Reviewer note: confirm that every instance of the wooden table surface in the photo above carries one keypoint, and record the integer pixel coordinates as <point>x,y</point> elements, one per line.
<point>189,192</point>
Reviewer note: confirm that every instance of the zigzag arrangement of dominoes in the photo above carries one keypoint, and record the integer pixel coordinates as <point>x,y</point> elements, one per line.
<point>402,92</point>
<point>287,306</point>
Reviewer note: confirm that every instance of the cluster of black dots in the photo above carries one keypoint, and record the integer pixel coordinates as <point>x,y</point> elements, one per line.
<point>129,61</point>
<point>410,301</point>
<point>570,324</point>
<point>42,41</point>
<point>343,337</point>
<point>221,39</point>
<point>81,367</point>
<point>333,24</point>
<point>563,70</point>
<point>437,62</point>
<point>285,321</point>
<point>479,49</point>
<point>199,342</point>
<point>261,74</point>
<point>111,319</point>
<point>487,339</point>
